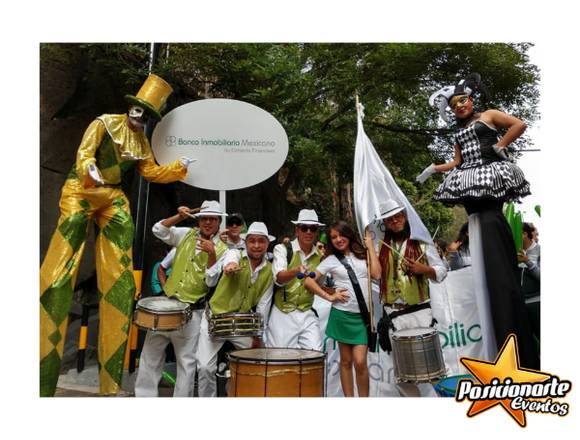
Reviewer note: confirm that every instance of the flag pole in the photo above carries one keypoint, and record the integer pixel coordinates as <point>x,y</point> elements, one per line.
<point>370,287</point>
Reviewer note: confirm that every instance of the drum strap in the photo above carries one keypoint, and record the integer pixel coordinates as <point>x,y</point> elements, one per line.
<point>411,309</point>
<point>364,311</point>
<point>385,324</point>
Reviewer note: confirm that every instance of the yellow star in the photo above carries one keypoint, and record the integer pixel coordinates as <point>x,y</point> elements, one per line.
<point>506,365</point>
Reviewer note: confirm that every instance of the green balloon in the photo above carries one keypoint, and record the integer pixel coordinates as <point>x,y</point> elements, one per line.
<point>537,208</point>
<point>517,231</point>
<point>514,220</point>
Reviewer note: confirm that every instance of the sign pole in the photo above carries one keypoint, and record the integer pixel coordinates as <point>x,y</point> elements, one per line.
<point>223,205</point>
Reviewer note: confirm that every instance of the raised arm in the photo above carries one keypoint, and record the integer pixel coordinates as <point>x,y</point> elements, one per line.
<point>374,263</point>
<point>515,127</point>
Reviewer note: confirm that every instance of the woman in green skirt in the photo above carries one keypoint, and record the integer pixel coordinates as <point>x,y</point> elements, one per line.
<point>345,323</point>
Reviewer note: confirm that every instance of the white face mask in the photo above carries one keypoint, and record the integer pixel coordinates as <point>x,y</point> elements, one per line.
<point>136,112</point>
<point>138,117</point>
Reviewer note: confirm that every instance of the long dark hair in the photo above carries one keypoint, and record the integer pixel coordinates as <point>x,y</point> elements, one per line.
<point>355,245</point>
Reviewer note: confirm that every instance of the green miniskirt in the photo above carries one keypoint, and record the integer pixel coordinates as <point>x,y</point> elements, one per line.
<point>346,327</point>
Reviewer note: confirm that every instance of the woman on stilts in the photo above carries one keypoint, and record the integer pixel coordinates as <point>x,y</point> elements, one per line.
<point>482,178</point>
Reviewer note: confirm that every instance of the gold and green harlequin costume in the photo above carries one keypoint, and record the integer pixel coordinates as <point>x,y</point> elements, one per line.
<point>114,148</point>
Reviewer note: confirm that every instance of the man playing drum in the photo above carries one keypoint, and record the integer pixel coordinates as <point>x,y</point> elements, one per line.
<point>405,267</point>
<point>293,322</point>
<point>246,285</point>
<point>197,250</point>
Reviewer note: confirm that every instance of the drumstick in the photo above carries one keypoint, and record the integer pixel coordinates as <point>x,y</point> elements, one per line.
<point>434,235</point>
<point>233,270</point>
<point>394,250</point>
<point>194,210</point>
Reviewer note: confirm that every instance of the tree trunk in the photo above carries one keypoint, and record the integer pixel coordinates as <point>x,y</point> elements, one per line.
<point>346,202</point>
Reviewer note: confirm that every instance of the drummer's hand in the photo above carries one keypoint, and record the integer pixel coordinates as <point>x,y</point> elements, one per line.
<point>183,212</point>
<point>415,268</point>
<point>257,342</point>
<point>232,268</point>
<point>369,243</point>
<point>205,245</point>
<point>302,269</point>
<point>340,295</point>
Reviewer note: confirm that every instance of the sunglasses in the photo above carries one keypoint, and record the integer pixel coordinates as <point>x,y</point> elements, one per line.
<point>234,222</point>
<point>306,228</point>
<point>398,216</point>
<point>460,101</point>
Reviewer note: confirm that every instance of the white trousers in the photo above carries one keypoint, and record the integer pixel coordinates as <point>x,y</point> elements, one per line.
<point>153,358</point>
<point>207,353</point>
<point>293,330</point>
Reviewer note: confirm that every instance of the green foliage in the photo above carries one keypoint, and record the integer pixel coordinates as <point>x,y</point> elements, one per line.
<point>310,88</point>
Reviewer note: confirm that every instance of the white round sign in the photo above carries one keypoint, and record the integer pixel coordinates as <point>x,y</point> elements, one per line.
<point>236,144</point>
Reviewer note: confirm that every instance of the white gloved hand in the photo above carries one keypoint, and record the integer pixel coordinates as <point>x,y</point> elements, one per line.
<point>96,175</point>
<point>426,173</point>
<point>501,152</point>
<point>186,161</point>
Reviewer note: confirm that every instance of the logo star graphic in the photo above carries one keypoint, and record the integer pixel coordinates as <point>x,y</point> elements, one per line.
<point>506,365</point>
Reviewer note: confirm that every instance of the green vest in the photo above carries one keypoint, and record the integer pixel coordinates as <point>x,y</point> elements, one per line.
<point>187,279</point>
<point>403,287</point>
<point>236,293</point>
<point>297,296</point>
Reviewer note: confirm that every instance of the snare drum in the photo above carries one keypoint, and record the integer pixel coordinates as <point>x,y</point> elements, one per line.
<point>233,325</point>
<point>161,313</point>
<point>417,355</point>
<point>276,372</point>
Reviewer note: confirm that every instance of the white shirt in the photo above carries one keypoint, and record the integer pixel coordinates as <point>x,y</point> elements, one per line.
<point>239,245</point>
<point>233,256</point>
<point>280,262</point>
<point>332,265</point>
<point>167,262</point>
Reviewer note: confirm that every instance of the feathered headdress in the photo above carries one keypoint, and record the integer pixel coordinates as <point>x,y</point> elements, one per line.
<point>471,85</point>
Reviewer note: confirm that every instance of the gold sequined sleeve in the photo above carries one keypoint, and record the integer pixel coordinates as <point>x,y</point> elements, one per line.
<point>86,153</point>
<point>161,173</point>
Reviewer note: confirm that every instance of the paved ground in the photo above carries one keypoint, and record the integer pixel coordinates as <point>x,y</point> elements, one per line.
<point>86,384</point>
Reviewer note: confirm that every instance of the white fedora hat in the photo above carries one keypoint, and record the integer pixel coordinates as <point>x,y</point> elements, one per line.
<point>389,208</point>
<point>210,208</point>
<point>258,228</point>
<point>307,217</point>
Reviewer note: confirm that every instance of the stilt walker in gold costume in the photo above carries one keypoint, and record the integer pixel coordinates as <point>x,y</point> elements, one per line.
<point>111,146</point>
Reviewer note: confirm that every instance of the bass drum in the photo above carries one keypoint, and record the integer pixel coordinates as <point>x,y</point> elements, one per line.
<point>276,372</point>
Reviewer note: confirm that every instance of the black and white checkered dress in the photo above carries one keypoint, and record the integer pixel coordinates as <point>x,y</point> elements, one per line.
<point>482,174</point>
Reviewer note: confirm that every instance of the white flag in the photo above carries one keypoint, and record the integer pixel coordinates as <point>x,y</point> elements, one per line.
<point>374,184</point>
